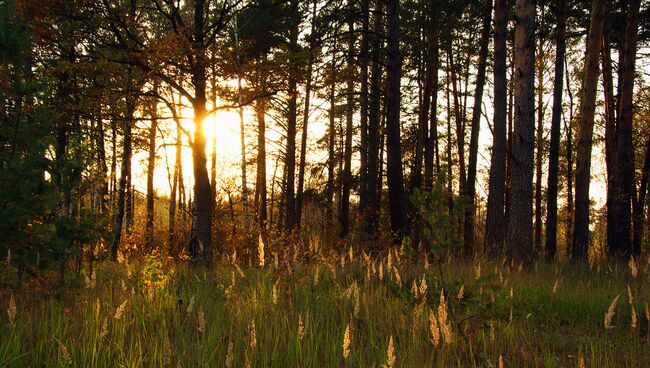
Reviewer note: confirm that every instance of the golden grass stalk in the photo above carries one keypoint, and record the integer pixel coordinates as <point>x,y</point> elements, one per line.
<point>301,328</point>
<point>253,338</point>
<point>167,353</point>
<point>12,311</point>
<point>390,353</point>
<point>120,310</point>
<point>200,322</point>
<point>434,329</point>
<point>347,340</point>
<point>230,354</point>
<point>445,326</point>
<point>610,313</point>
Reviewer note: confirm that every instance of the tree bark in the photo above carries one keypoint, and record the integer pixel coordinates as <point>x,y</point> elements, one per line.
<point>292,117</point>
<point>585,134</point>
<point>520,226</point>
<point>475,129</point>
<point>125,171</point>
<point>622,245</point>
<point>151,166</point>
<point>344,214</point>
<point>305,122</point>
<point>432,66</point>
<point>496,188</point>
<point>554,149</point>
<point>371,210</point>
<point>260,192</point>
<point>397,197</point>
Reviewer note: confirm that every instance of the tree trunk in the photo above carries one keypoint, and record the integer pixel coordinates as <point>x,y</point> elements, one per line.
<point>174,189</point>
<point>585,134</point>
<point>397,197</point>
<point>260,192</point>
<point>458,119</point>
<point>639,216</point>
<point>622,245</point>
<point>331,157</point>
<point>539,139</point>
<point>363,108</point>
<point>125,171</point>
<point>611,155</point>
<point>344,214</point>
<point>520,226</point>
<point>292,117</point>
<point>432,66</point>
<point>149,226</point>
<point>476,126</point>
<point>554,149</point>
<point>305,123</point>
<point>496,188</point>
<point>371,210</point>
<point>242,136</point>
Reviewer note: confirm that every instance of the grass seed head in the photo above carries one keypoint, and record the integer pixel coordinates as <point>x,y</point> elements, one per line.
<point>12,311</point>
<point>167,352</point>
<point>230,354</point>
<point>610,313</point>
<point>390,353</point>
<point>434,329</point>
<point>120,310</point>
<point>347,340</point>
<point>200,322</point>
<point>253,338</point>
<point>301,328</point>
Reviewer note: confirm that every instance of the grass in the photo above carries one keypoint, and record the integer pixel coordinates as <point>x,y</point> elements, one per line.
<point>505,317</point>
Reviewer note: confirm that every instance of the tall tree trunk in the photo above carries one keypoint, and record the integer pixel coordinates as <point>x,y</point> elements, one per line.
<point>611,155</point>
<point>331,157</point>
<point>103,169</point>
<point>125,171</point>
<point>174,189</point>
<point>260,191</point>
<point>151,166</point>
<point>554,149</point>
<point>292,117</point>
<point>520,226</point>
<point>622,245</point>
<point>496,188</point>
<point>363,108</point>
<point>450,173</point>
<point>242,136</point>
<point>539,139</point>
<point>305,121</point>
<point>568,127</point>
<point>432,66</point>
<point>371,210</point>
<point>639,216</point>
<point>476,126</point>
<point>344,214</point>
<point>585,133</point>
<point>397,197</point>
<point>200,245</point>
<point>458,119</point>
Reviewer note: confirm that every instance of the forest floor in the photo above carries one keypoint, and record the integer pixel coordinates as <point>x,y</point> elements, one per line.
<point>330,311</point>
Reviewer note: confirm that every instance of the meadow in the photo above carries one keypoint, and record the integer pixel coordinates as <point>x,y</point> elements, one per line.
<point>318,308</point>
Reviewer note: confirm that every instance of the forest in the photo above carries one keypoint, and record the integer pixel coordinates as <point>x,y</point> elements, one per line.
<point>323,183</point>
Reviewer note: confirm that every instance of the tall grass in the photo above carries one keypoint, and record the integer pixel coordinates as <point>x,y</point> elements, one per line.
<point>296,314</point>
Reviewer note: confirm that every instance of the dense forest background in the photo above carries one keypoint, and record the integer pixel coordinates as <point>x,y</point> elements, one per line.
<point>374,117</point>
